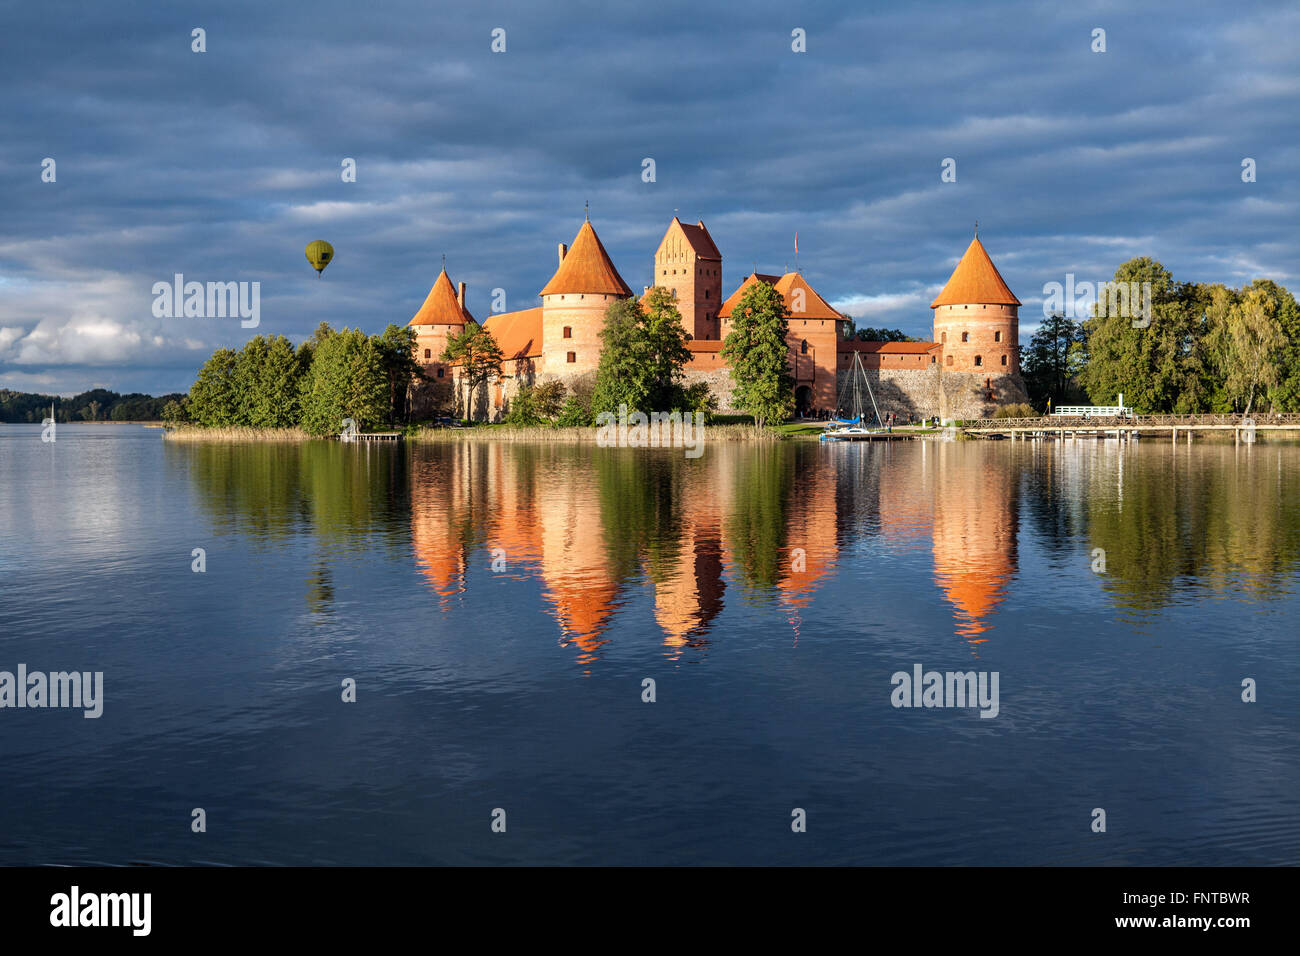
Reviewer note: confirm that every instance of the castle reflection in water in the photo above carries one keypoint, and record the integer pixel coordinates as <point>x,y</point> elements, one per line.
<point>759,524</point>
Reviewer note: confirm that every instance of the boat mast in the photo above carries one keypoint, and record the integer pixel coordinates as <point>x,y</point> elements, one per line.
<point>857,357</point>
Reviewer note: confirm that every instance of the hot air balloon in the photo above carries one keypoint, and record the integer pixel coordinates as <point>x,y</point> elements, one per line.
<point>319,254</point>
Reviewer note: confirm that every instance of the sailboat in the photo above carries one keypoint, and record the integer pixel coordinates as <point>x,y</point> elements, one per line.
<point>850,397</point>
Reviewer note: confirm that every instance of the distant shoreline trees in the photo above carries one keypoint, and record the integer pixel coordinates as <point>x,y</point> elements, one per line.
<point>96,405</point>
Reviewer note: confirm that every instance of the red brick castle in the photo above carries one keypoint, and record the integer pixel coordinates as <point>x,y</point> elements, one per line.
<point>969,369</point>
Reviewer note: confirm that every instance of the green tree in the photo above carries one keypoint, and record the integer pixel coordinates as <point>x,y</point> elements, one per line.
<point>622,377</point>
<point>478,356</point>
<point>1285,395</point>
<point>573,414</point>
<point>643,355</point>
<point>347,379</point>
<point>1247,342</point>
<point>1158,366</point>
<point>535,404</point>
<point>175,412</point>
<point>758,354</point>
<point>868,334</point>
<point>1053,360</point>
<point>664,339</point>
<point>214,397</point>
<point>397,350</point>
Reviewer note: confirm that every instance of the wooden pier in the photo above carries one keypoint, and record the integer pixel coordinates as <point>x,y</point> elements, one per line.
<point>1126,428</point>
<point>370,436</point>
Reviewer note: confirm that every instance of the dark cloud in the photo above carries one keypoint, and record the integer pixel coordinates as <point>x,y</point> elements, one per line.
<point>222,166</point>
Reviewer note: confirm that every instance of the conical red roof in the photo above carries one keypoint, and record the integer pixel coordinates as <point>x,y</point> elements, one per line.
<point>586,269</point>
<point>441,307</point>
<point>975,281</point>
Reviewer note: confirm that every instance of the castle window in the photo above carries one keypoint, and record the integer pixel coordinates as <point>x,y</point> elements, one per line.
<point>568,331</point>
<point>949,362</point>
<point>1004,360</point>
<point>979,360</point>
<point>440,371</point>
<point>932,359</point>
<point>803,347</point>
<point>573,357</point>
<point>706,293</point>
<point>428,354</point>
<point>944,338</point>
<point>997,336</point>
<point>965,336</point>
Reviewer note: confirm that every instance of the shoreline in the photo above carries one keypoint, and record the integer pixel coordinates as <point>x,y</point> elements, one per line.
<point>538,434</point>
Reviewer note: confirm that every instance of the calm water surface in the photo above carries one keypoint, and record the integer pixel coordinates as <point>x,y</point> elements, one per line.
<point>770,592</point>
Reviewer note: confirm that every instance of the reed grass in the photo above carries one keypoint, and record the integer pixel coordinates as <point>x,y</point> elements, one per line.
<point>544,433</point>
<point>235,434</point>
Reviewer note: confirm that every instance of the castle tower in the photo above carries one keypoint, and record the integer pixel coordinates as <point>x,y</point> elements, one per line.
<point>574,304</point>
<point>689,264</point>
<point>976,319</point>
<point>442,316</point>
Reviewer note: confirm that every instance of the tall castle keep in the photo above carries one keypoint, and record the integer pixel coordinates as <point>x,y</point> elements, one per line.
<point>970,367</point>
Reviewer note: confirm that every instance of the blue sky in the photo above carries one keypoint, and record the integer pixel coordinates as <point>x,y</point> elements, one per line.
<point>223,165</point>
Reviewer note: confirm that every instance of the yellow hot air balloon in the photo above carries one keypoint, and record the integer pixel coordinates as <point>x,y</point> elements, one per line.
<point>319,254</point>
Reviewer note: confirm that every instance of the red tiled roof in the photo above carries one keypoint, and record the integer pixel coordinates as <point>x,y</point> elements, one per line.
<point>725,311</point>
<point>704,345</point>
<point>907,348</point>
<point>441,306</point>
<point>586,269</point>
<point>814,306</point>
<point>699,239</point>
<point>975,281</point>
<point>517,334</point>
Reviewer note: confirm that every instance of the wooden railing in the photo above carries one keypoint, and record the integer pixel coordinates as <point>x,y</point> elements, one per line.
<point>1056,422</point>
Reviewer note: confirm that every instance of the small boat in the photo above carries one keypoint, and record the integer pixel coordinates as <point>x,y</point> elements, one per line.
<point>850,397</point>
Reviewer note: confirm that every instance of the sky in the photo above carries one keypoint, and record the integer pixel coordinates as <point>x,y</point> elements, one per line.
<point>222,165</point>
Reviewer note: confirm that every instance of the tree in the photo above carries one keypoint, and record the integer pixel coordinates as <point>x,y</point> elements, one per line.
<point>478,355</point>
<point>1285,395</point>
<point>573,414</point>
<point>214,397</point>
<point>643,355</point>
<point>397,352</point>
<point>869,334</point>
<point>347,379</point>
<point>664,341</point>
<point>175,412</point>
<point>1158,366</point>
<point>1247,342</point>
<point>1053,360</point>
<point>621,376</point>
<point>758,354</point>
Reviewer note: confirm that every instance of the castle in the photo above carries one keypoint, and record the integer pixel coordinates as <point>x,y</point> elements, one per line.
<point>970,367</point>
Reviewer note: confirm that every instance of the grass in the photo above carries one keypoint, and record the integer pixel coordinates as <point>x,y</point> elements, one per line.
<point>234,433</point>
<point>545,433</point>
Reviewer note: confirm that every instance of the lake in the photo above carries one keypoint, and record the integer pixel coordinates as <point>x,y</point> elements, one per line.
<point>500,608</point>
